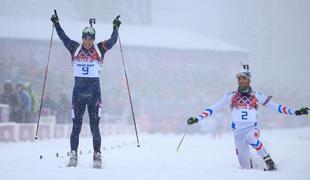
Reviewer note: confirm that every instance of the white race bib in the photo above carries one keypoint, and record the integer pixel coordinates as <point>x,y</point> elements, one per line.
<point>244,115</point>
<point>86,69</point>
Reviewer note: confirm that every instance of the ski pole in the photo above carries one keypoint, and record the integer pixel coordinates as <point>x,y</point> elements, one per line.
<point>187,127</point>
<point>45,77</point>
<point>128,87</point>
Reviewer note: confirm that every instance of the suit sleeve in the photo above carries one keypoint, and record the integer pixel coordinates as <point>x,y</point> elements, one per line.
<point>69,44</point>
<point>106,45</point>
<point>209,111</point>
<point>270,104</point>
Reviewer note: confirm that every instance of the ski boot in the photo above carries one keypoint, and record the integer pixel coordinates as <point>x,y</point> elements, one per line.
<point>271,166</point>
<point>97,160</point>
<point>73,159</point>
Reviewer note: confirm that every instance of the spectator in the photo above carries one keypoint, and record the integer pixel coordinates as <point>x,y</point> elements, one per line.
<point>8,91</point>
<point>9,97</point>
<point>34,101</point>
<point>23,103</point>
<point>29,106</point>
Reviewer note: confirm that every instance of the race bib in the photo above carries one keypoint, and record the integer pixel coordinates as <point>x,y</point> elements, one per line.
<point>244,115</point>
<point>86,69</point>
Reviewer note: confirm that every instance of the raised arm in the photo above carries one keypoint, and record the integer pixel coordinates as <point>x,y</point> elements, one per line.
<point>69,44</point>
<point>211,109</point>
<point>104,46</point>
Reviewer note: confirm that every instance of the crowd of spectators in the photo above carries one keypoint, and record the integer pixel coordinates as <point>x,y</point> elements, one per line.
<point>24,104</point>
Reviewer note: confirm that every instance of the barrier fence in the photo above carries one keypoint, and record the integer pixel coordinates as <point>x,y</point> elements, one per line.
<point>12,132</point>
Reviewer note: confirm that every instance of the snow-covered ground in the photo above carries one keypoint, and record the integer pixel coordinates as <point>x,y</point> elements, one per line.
<point>200,157</point>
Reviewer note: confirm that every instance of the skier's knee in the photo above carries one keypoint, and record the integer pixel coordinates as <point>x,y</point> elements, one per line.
<point>76,129</point>
<point>245,163</point>
<point>95,131</point>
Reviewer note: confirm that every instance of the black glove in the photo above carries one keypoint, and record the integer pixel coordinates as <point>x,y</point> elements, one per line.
<point>54,17</point>
<point>302,111</point>
<point>117,22</point>
<point>192,120</point>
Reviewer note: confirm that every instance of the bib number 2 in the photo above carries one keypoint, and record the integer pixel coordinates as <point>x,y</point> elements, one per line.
<point>244,115</point>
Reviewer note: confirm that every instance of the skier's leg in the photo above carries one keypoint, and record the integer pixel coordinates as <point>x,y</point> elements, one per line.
<point>242,150</point>
<point>94,119</point>
<point>253,139</point>
<point>78,107</point>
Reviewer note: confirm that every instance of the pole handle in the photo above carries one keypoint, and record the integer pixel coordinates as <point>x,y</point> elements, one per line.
<point>55,13</point>
<point>92,21</point>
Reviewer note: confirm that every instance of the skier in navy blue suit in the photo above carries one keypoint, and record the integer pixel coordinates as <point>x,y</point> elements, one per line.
<point>87,59</point>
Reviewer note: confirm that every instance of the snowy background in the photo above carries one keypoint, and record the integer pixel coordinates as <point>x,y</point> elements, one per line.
<point>176,52</point>
<point>181,56</point>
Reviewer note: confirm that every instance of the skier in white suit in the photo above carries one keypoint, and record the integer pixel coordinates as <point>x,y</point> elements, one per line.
<point>244,104</point>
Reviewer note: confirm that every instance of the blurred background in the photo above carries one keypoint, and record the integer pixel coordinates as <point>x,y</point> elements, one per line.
<point>181,57</point>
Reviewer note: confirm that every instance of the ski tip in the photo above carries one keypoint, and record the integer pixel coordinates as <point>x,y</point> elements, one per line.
<point>118,16</point>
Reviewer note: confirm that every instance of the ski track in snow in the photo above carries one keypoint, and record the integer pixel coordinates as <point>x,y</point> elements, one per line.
<point>200,157</point>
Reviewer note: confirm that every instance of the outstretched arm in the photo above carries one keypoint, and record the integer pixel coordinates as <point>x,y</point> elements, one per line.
<point>267,102</point>
<point>280,108</point>
<point>211,110</point>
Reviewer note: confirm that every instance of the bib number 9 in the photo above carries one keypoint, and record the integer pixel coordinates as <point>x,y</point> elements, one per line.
<point>244,115</point>
<point>85,70</point>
